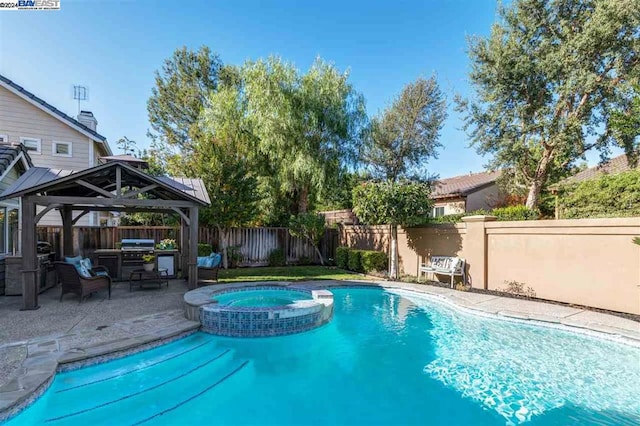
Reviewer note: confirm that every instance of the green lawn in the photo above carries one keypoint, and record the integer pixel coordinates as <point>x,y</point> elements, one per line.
<point>286,273</point>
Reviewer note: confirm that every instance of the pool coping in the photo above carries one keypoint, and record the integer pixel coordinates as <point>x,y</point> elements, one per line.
<point>45,358</point>
<point>573,319</point>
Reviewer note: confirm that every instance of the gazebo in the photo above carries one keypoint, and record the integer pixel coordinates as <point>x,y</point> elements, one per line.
<point>113,186</point>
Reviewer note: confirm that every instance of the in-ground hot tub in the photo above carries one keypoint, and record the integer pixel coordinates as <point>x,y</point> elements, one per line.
<point>259,311</point>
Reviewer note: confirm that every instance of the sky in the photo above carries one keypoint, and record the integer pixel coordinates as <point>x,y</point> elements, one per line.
<point>115,46</point>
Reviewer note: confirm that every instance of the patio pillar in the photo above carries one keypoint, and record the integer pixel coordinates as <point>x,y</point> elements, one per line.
<point>29,256</point>
<point>184,248</point>
<point>476,249</point>
<point>67,230</point>
<point>193,248</point>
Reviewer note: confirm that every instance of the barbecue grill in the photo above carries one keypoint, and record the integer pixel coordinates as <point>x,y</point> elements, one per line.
<point>132,251</point>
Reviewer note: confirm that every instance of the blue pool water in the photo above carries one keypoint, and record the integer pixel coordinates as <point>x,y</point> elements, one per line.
<point>384,359</point>
<point>261,298</point>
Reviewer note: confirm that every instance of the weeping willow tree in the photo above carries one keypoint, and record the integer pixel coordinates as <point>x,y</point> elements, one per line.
<point>306,126</point>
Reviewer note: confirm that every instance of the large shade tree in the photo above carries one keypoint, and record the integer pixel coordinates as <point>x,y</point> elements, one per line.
<point>181,89</point>
<point>547,80</point>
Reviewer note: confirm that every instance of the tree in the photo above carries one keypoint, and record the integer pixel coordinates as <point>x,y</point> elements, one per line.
<point>404,203</point>
<point>307,126</point>
<point>179,95</point>
<point>399,143</point>
<point>406,135</point>
<point>311,227</point>
<point>222,158</point>
<point>126,145</point>
<point>546,81</point>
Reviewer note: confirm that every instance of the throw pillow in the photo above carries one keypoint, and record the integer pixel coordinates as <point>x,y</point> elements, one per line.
<point>73,260</point>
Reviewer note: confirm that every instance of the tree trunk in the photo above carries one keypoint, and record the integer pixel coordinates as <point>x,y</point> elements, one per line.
<point>533,197</point>
<point>540,178</point>
<point>319,255</point>
<point>393,255</point>
<point>303,201</point>
<point>223,245</point>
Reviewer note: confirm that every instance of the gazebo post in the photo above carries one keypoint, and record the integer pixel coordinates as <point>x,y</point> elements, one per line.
<point>193,247</point>
<point>67,230</point>
<point>184,247</point>
<point>29,256</point>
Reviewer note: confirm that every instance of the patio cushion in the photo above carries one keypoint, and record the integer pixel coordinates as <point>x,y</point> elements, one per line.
<point>82,269</point>
<point>205,261</point>
<point>102,274</point>
<point>216,259</point>
<point>73,260</point>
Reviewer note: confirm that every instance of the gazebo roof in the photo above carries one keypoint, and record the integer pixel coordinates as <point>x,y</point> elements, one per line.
<point>101,180</point>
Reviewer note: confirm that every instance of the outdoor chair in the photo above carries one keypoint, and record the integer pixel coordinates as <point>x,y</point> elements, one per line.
<point>208,267</point>
<point>73,282</point>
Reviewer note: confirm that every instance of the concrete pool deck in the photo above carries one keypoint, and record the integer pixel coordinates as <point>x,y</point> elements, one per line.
<point>67,335</point>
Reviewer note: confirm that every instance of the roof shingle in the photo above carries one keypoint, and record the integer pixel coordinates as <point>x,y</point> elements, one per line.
<point>458,186</point>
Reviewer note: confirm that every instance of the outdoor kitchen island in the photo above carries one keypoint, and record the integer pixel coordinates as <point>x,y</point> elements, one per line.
<point>121,262</point>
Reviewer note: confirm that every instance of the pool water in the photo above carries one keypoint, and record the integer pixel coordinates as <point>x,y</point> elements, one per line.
<point>385,359</point>
<point>261,298</point>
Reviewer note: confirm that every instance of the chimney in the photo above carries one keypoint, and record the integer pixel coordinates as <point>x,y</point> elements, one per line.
<point>87,118</point>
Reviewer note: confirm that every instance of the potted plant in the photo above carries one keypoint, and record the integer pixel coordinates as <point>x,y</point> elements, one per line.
<point>148,262</point>
<point>166,244</point>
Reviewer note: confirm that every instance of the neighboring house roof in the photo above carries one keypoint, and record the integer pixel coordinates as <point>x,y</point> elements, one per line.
<point>614,166</point>
<point>48,108</point>
<point>461,186</point>
<point>10,153</point>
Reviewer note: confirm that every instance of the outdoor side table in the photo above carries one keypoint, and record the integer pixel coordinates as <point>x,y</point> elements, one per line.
<point>142,277</point>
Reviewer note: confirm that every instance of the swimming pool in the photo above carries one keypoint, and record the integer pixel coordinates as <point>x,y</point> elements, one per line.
<point>385,358</point>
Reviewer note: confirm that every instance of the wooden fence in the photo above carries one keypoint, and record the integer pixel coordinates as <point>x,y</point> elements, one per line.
<point>253,244</point>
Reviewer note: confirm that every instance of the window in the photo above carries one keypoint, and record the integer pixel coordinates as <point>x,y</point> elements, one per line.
<point>4,139</point>
<point>62,149</point>
<point>438,211</point>
<point>32,145</point>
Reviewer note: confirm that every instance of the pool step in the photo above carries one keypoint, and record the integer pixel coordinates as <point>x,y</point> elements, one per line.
<point>141,402</point>
<point>174,352</point>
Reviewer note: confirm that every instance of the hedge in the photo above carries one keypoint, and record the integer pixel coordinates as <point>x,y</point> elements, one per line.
<point>355,261</point>
<point>373,261</point>
<point>361,260</point>
<point>342,257</point>
<point>503,214</point>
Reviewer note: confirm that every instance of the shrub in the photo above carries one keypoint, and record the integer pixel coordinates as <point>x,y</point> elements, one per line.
<point>355,261</point>
<point>234,255</point>
<point>304,260</point>
<point>277,257</point>
<point>515,213</point>
<point>204,249</point>
<point>374,261</point>
<point>608,196</point>
<point>342,257</point>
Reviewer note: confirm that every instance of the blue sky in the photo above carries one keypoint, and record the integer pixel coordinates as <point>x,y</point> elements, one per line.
<point>114,47</point>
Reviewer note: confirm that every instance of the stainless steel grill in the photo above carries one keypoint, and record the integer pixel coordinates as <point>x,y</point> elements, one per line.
<point>132,250</point>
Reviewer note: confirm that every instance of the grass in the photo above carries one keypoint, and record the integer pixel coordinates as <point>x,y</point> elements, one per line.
<point>286,273</point>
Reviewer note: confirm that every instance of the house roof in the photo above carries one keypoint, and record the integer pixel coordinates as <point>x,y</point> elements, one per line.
<point>9,153</point>
<point>40,103</point>
<point>63,182</point>
<point>460,186</point>
<point>614,166</point>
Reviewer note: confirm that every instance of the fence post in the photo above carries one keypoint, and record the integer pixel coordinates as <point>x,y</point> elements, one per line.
<point>476,250</point>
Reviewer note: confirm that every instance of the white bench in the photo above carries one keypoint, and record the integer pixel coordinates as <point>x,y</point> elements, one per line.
<point>445,265</point>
